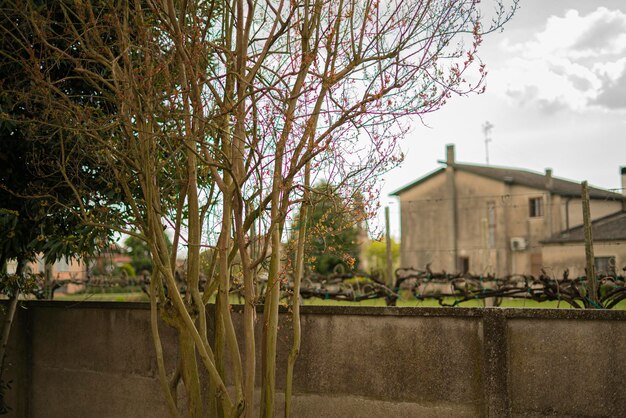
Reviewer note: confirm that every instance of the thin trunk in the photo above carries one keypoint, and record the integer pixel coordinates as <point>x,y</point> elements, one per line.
<point>270,327</point>
<point>592,283</point>
<point>175,380</point>
<point>10,316</point>
<point>168,392</point>
<point>272,294</point>
<point>6,330</point>
<point>187,348</point>
<point>48,282</point>
<point>248,312</point>
<point>295,304</point>
<point>223,292</point>
<point>189,372</point>
<point>219,345</point>
<point>237,205</point>
<point>161,259</point>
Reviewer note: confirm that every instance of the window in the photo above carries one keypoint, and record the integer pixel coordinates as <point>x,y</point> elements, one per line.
<point>491,222</point>
<point>462,265</point>
<point>605,266</point>
<point>536,207</point>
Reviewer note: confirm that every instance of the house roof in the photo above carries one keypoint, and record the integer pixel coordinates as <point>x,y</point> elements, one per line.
<point>416,182</point>
<point>521,177</point>
<point>608,228</point>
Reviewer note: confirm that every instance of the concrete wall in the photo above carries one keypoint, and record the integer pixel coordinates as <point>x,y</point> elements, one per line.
<point>424,241</point>
<point>96,359</point>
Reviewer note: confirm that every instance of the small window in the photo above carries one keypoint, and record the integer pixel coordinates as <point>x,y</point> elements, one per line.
<point>462,265</point>
<point>536,207</point>
<point>491,221</point>
<point>605,266</point>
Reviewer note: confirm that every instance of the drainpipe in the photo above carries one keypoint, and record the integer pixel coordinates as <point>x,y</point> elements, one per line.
<point>509,267</point>
<point>569,199</point>
<point>623,173</point>
<point>549,187</point>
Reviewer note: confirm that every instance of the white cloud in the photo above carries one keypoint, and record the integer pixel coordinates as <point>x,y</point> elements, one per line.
<point>575,62</point>
<point>603,32</point>
<point>612,95</point>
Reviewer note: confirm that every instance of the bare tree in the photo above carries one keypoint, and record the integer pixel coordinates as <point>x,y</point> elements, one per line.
<point>223,111</point>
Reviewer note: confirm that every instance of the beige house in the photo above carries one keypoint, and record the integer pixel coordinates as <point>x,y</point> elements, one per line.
<point>486,219</point>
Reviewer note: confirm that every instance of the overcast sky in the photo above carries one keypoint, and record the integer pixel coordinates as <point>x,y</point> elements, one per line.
<point>556,95</point>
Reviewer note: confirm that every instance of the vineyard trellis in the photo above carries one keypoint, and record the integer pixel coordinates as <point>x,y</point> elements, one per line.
<point>447,289</point>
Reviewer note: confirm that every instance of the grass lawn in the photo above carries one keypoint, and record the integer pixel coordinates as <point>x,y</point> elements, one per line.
<point>97,297</point>
<point>507,303</point>
<point>430,303</point>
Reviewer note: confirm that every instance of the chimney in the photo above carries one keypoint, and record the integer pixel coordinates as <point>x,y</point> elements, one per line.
<point>450,156</point>
<point>623,171</point>
<point>549,179</point>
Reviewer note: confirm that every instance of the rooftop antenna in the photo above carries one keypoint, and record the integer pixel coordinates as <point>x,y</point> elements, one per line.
<point>487,127</point>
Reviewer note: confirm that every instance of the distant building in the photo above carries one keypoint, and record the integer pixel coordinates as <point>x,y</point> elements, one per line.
<point>485,219</point>
<point>565,250</point>
<point>108,260</point>
<point>71,268</point>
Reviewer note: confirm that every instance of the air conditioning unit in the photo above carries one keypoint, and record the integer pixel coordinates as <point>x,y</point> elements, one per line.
<point>518,244</point>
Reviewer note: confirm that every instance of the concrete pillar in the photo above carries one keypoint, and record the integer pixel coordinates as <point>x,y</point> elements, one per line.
<point>623,173</point>
<point>495,364</point>
<point>450,154</point>
<point>454,218</point>
<point>549,179</point>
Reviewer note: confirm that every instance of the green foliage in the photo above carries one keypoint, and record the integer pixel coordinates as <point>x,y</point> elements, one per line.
<point>376,257</point>
<point>128,270</point>
<point>140,253</point>
<point>22,284</point>
<point>332,238</point>
<point>38,210</point>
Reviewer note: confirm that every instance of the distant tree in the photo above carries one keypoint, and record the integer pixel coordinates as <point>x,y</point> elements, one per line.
<point>376,256</point>
<point>139,252</point>
<point>127,270</point>
<point>333,231</point>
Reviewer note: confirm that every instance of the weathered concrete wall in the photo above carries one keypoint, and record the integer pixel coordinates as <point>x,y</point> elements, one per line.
<point>96,359</point>
<point>16,364</point>
<point>565,368</point>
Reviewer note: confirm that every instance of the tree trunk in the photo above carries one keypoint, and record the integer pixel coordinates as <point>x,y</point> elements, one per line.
<point>270,329</point>
<point>295,304</point>
<point>48,281</point>
<point>10,316</point>
<point>189,371</point>
<point>169,393</point>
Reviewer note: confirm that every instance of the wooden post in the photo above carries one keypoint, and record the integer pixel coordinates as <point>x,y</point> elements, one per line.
<point>592,285</point>
<point>390,279</point>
